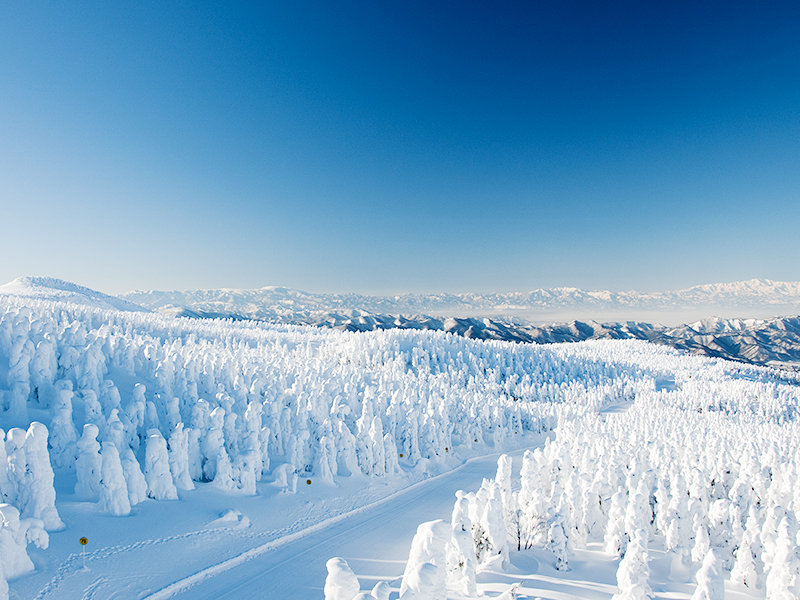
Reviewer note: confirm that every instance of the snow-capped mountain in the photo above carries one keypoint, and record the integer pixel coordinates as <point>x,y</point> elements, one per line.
<point>270,303</point>
<point>774,342</point>
<point>58,290</point>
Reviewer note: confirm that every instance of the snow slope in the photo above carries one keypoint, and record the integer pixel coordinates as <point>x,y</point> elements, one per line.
<point>58,290</point>
<point>232,419</point>
<point>374,541</point>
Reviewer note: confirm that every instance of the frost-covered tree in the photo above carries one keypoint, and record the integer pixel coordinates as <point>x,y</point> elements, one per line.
<point>503,479</point>
<point>615,538</point>
<point>89,464</point>
<point>15,534</point>
<point>425,581</point>
<point>702,542</point>
<point>425,573</point>
<point>244,472</point>
<point>156,468</point>
<point>134,416</point>
<point>634,571</point>
<point>213,449</point>
<point>114,499</point>
<point>493,523</point>
<point>93,411</point>
<point>43,369</point>
<point>37,496</point>
<point>558,542</point>
<point>179,458</point>
<point>461,559</point>
<point>710,578</point>
<point>381,591</point>
<point>18,378</point>
<point>326,457</point>
<point>744,570</point>
<point>783,579</point>
<point>346,447</point>
<point>341,583</point>
<point>134,478</point>
<point>285,478</point>
<point>63,435</point>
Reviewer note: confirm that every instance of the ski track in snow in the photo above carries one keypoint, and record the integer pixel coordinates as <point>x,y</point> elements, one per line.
<point>698,409</point>
<point>246,585</point>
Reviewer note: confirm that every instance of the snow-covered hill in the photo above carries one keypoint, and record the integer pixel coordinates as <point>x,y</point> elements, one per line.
<point>773,342</point>
<point>270,303</point>
<point>184,448</point>
<point>58,290</point>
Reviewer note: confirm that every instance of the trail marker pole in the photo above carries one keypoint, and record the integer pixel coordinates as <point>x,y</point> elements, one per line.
<point>83,542</point>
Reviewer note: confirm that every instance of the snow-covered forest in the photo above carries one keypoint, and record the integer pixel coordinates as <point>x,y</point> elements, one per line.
<point>113,410</point>
<point>703,465</point>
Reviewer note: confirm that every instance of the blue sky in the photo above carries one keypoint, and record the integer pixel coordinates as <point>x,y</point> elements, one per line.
<point>400,147</point>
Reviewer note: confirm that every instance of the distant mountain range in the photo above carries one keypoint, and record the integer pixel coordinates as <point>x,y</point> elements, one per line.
<point>269,303</point>
<point>773,342</point>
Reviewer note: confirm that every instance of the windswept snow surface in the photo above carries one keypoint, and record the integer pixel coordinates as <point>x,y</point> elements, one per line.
<point>235,418</point>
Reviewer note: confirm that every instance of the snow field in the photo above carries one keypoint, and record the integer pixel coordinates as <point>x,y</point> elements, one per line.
<point>119,409</point>
<point>225,403</point>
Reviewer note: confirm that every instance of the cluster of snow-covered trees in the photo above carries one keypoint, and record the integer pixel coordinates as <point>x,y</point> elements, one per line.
<point>703,465</point>
<point>708,471</point>
<point>141,406</point>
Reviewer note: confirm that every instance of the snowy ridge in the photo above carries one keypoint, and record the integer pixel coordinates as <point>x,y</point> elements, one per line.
<point>58,290</point>
<point>771,342</point>
<point>270,303</point>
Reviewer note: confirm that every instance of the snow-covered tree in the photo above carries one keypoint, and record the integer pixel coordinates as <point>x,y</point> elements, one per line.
<point>179,458</point>
<point>37,496</point>
<point>425,573</point>
<point>634,571</point>
<point>113,489</point>
<point>341,583</point>
<point>15,534</point>
<point>156,468</point>
<point>134,478</point>
<point>783,579</point>
<point>89,464</point>
<point>710,578</point>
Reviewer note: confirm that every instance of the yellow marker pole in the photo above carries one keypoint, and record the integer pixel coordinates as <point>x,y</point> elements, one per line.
<point>83,542</point>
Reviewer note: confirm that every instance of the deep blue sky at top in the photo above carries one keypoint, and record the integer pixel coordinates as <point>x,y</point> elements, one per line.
<point>391,147</point>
